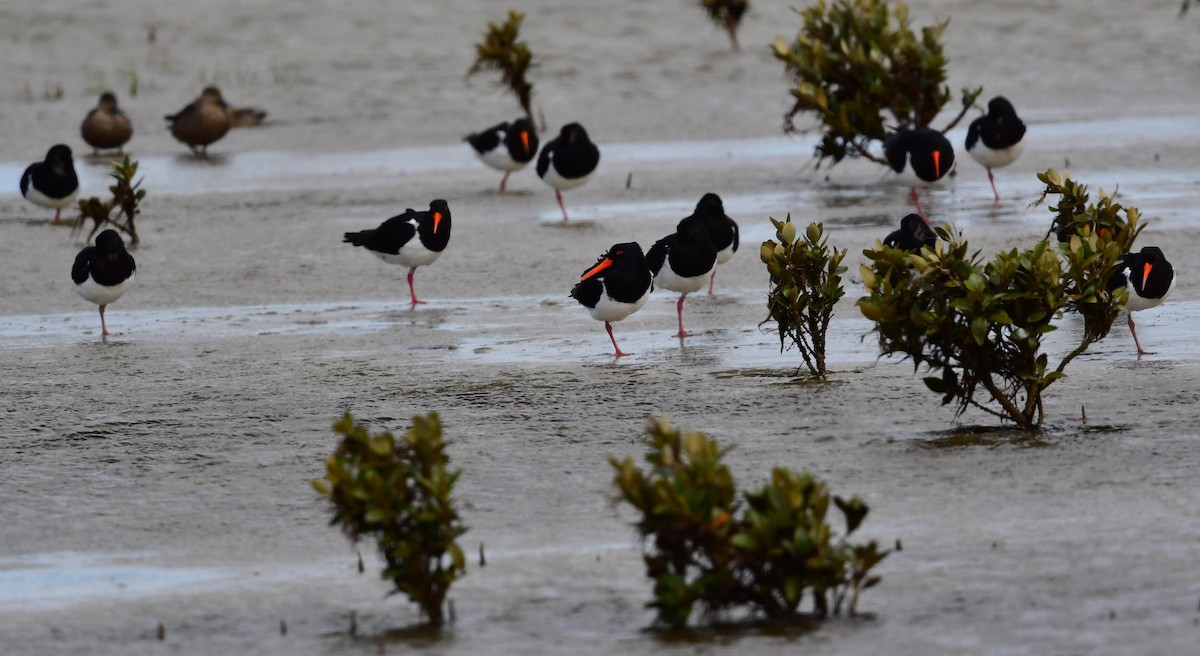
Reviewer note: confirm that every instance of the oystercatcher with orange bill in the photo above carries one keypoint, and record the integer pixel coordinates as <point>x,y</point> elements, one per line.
<point>51,182</point>
<point>914,233</point>
<point>567,161</point>
<point>413,239</point>
<point>682,261</point>
<point>616,287</point>
<point>101,273</point>
<point>920,156</point>
<point>722,230</point>
<point>506,147</point>
<point>996,139</point>
<point>1148,277</point>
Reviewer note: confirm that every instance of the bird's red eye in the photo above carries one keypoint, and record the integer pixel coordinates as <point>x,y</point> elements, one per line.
<point>620,252</point>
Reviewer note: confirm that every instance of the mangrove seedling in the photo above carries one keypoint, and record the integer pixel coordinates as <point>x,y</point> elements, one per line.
<point>858,65</point>
<point>727,14</point>
<point>759,553</point>
<point>500,50</point>
<point>126,200</point>
<point>979,326</point>
<point>398,490</point>
<point>806,284</point>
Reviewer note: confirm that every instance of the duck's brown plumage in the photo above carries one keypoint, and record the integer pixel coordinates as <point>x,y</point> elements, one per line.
<point>203,122</point>
<point>106,126</point>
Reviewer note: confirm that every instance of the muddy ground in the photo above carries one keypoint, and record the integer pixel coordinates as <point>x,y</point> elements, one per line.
<point>162,477</point>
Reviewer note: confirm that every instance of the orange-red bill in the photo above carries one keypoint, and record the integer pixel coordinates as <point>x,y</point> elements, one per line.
<point>525,139</point>
<point>937,164</point>
<point>1146,273</point>
<point>437,218</point>
<point>600,266</point>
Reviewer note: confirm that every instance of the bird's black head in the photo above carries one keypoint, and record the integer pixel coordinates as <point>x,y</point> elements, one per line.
<point>999,106</point>
<point>621,256</point>
<point>710,203</point>
<point>439,213</point>
<point>526,134</point>
<point>572,134</point>
<point>1152,254</point>
<point>59,154</point>
<point>110,242</point>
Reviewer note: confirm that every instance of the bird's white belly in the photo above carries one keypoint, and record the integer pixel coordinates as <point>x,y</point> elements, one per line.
<point>101,294</point>
<point>499,159</point>
<point>1137,303</point>
<point>560,183</point>
<point>609,310</point>
<point>38,198</point>
<point>994,159</point>
<point>725,254</point>
<point>668,279</point>
<point>411,255</point>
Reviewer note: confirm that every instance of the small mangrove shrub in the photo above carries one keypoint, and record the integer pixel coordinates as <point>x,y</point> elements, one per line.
<point>806,284</point>
<point>760,552</point>
<point>127,197</point>
<point>979,326</point>
<point>398,490</point>
<point>501,51</point>
<point>728,14</point>
<point>859,66</point>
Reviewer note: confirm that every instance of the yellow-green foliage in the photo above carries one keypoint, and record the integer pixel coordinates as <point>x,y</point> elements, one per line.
<point>127,199</point>
<point>500,50</point>
<point>399,491</point>
<point>759,553</point>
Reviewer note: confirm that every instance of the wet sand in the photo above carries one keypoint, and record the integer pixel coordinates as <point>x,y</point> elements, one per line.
<point>162,477</point>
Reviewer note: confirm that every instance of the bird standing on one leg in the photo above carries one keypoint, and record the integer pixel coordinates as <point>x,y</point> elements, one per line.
<point>616,287</point>
<point>722,231</point>
<point>996,139</point>
<point>921,156</point>
<point>101,273</point>
<point>1148,277</point>
<point>506,147</point>
<point>682,262</point>
<point>51,182</point>
<point>413,239</point>
<point>567,161</point>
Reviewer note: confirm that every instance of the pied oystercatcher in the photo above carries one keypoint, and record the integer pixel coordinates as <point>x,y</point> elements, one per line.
<point>102,272</point>
<point>1149,277</point>
<point>412,239</point>
<point>106,127</point>
<point>921,156</point>
<point>722,230</point>
<point>203,122</point>
<point>914,233</point>
<point>997,138</point>
<point>681,261</point>
<point>567,161</point>
<point>506,147</point>
<point>52,182</point>
<point>616,287</point>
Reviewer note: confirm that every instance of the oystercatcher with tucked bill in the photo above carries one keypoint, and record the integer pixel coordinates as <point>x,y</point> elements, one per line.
<point>567,161</point>
<point>722,230</point>
<point>682,261</point>
<point>506,147</point>
<point>1148,277</point>
<point>921,157</point>
<point>101,273</point>
<point>52,182</point>
<point>914,233</point>
<point>616,287</point>
<point>997,138</point>
<point>413,239</point>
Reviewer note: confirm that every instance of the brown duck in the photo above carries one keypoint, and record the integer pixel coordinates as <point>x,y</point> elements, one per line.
<point>204,121</point>
<point>106,127</point>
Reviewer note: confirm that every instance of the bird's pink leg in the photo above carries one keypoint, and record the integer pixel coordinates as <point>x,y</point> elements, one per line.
<point>558,195</point>
<point>1135,339</point>
<point>504,180</point>
<point>57,214</point>
<point>103,325</point>
<point>992,180</point>
<point>619,353</point>
<point>917,202</point>
<point>679,309</point>
<point>411,289</point>
<point>712,280</point>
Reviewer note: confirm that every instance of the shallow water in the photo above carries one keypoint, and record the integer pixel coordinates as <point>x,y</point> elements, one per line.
<point>163,476</point>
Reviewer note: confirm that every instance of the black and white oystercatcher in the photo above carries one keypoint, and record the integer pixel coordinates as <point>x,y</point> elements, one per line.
<point>52,182</point>
<point>106,127</point>
<point>616,287</point>
<point>914,233</point>
<point>920,156</point>
<point>101,273</point>
<point>1149,277</point>
<point>722,230</point>
<point>506,147</point>
<point>567,161</point>
<point>997,138</point>
<point>681,262</point>
<point>202,122</point>
<point>412,239</point>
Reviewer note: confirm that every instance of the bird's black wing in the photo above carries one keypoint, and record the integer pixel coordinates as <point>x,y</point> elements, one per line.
<point>388,237</point>
<point>588,292</point>
<point>82,266</point>
<point>657,256</point>
<point>488,139</point>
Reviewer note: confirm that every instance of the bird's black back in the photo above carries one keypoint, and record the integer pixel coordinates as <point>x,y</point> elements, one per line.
<point>722,230</point>
<point>1131,267</point>
<point>627,280</point>
<point>397,231</point>
<point>912,235</point>
<point>488,139</point>
<point>53,177</point>
<point>688,251</point>
<point>1000,128</point>
<point>108,263</point>
<point>915,148</point>
<point>573,153</point>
